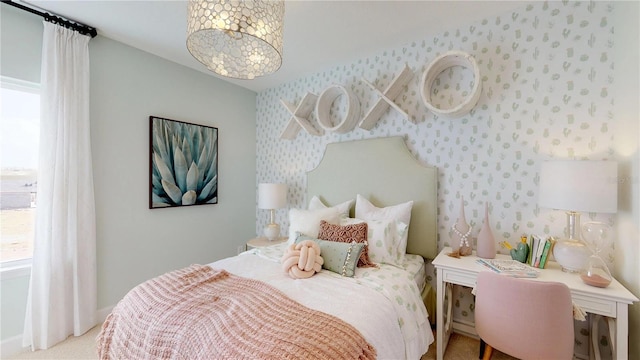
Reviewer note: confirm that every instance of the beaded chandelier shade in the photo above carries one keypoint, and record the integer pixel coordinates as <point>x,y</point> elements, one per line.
<point>235,38</point>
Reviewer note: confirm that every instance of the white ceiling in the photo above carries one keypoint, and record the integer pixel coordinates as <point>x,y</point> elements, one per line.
<point>318,34</point>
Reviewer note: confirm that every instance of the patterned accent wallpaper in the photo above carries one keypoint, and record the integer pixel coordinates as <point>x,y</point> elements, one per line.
<point>546,75</point>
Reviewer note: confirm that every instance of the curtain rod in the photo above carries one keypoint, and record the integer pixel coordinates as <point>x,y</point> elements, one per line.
<point>56,19</point>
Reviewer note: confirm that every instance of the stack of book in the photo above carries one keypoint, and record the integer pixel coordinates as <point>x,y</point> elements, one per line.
<point>540,249</point>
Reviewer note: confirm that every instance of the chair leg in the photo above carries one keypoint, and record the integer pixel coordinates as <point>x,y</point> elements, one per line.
<point>482,344</point>
<point>488,351</point>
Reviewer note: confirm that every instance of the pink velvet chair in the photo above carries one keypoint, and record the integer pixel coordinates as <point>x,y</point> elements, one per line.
<point>524,318</point>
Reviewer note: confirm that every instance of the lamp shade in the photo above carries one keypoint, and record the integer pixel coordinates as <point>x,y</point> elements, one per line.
<point>585,186</point>
<point>272,196</point>
<point>236,39</point>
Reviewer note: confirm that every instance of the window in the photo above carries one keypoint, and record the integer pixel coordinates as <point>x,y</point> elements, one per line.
<point>19,138</point>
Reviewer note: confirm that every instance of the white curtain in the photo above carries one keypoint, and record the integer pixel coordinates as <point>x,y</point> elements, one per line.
<point>63,291</point>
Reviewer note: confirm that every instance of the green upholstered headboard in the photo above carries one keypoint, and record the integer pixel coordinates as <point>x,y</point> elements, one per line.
<point>384,171</point>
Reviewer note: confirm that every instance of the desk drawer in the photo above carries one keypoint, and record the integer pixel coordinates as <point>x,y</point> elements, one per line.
<point>595,306</point>
<point>460,278</point>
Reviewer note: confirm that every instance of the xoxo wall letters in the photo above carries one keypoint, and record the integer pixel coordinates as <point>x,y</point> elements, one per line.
<point>301,114</point>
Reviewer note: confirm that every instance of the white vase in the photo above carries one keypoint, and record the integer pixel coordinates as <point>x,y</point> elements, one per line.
<point>486,247</point>
<point>461,234</point>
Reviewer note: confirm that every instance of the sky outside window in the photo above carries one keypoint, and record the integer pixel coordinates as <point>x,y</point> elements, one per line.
<point>19,138</point>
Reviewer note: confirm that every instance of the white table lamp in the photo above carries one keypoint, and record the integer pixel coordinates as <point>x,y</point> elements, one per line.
<point>271,197</point>
<point>577,186</point>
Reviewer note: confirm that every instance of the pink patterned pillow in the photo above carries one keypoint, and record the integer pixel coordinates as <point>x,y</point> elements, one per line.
<point>347,234</point>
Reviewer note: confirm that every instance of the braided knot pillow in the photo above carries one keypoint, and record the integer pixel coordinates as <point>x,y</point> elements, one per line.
<point>302,260</point>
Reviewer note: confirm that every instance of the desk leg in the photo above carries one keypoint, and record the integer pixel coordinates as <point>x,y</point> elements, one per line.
<point>440,317</point>
<point>594,353</point>
<point>443,328</point>
<point>620,345</point>
<point>614,328</point>
<point>448,325</point>
<point>611,323</point>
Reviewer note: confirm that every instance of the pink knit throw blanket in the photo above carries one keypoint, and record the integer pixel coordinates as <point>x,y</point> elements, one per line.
<point>201,313</point>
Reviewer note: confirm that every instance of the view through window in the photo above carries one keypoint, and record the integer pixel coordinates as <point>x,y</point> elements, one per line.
<point>19,137</point>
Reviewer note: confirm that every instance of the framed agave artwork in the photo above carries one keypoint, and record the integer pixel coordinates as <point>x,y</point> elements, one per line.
<point>183,163</point>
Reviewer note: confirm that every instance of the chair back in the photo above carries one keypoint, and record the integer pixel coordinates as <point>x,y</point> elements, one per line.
<point>524,318</point>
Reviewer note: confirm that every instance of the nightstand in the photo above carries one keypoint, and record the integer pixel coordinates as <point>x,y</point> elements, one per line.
<point>263,241</point>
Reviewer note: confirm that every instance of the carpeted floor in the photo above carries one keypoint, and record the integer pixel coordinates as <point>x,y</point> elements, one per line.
<point>463,348</point>
<point>81,347</point>
<point>84,347</point>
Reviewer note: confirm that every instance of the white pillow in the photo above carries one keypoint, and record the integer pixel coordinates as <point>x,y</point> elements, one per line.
<point>387,240</point>
<point>367,211</point>
<point>315,204</point>
<point>307,222</point>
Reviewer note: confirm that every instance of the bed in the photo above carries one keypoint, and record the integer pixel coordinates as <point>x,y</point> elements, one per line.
<point>383,305</point>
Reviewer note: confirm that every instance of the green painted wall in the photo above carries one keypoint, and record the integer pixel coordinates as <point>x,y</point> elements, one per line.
<point>127,86</point>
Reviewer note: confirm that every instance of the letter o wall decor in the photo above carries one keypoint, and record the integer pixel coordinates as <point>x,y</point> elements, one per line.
<point>323,108</point>
<point>436,67</point>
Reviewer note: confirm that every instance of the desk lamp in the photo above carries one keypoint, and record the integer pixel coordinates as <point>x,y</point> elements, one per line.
<point>575,186</point>
<point>272,196</point>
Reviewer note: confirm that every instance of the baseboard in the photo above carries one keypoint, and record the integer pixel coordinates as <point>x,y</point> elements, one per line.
<point>13,345</point>
<point>465,328</point>
<point>103,313</point>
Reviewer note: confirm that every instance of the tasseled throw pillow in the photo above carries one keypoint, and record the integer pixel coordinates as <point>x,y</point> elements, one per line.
<point>347,234</point>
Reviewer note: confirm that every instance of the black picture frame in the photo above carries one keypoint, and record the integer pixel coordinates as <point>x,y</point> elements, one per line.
<point>183,163</point>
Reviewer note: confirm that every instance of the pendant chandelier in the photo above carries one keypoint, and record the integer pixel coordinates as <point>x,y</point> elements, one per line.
<point>236,38</point>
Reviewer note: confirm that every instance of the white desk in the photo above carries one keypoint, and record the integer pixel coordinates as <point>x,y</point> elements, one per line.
<point>612,301</point>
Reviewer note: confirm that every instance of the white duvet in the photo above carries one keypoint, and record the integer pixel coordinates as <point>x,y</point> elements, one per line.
<point>384,303</point>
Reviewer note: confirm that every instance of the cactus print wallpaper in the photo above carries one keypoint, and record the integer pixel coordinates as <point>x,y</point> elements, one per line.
<point>546,94</point>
